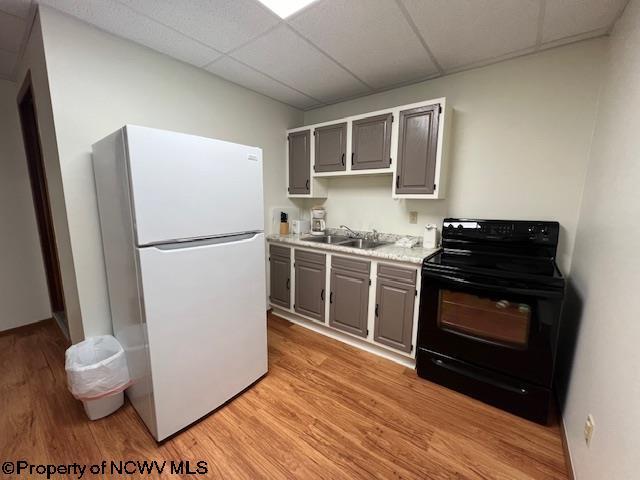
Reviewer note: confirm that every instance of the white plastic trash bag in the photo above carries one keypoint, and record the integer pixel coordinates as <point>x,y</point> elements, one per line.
<point>96,368</point>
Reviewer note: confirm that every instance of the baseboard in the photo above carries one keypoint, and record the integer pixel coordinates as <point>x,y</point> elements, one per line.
<point>344,338</point>
<point>25,327</point>
<point>565,447</point>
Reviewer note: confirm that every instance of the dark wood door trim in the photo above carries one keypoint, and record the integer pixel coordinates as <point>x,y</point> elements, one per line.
<point>40,192</point>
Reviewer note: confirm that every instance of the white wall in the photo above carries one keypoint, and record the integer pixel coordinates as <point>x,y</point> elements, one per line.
<point>23,289</point>
<point>98,83</point>
<point>605,380</point>
<point>33,62</point>
<point>519,145</point>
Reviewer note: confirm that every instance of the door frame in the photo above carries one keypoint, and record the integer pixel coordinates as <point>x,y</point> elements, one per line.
<point>40,193</point>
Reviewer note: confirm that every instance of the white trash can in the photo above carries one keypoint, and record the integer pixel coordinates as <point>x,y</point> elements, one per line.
<point>97,374</point>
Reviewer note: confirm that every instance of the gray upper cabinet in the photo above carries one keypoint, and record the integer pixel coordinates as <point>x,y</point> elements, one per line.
<point>371,142</point>
<point>349,297</point>
<point>280,276</point>
<point>310,284</point>
<point>395,299</point>
<point>417,150</point>
<point>330,148</point>
<point>300,162</point>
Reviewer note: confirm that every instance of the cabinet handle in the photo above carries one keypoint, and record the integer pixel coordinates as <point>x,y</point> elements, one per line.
<point>288,284</point>
<point>307,185</point>
<point>322,294</point>
<point>343,159</point>
<point>376,310</point>
<point>397,182</point>
<point>331,297</point>
<point>353,154</point>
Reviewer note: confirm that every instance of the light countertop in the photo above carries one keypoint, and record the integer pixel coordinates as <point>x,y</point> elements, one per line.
<point>413,255</point>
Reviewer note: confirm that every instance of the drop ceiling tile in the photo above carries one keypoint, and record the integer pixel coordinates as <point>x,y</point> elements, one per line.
<point>564,18</point>
<point>19,8</point>
<point>371,38</point>
<point>221,24</point>
<point>462,32</point>
<point>7,63</point>
<point>124,22</point>
<point>11,32</point>
<point>283,55</point>
<point>236,72</point>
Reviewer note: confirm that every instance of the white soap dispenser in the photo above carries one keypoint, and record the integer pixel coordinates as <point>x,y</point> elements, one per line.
<point>430,239</point>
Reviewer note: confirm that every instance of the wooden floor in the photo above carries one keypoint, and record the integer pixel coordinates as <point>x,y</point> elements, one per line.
<point>324,410</point>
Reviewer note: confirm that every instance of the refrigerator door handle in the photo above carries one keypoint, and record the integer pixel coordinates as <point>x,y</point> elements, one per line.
<point>205,241</point>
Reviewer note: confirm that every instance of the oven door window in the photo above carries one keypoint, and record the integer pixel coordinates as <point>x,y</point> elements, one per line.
<point>497,321</point>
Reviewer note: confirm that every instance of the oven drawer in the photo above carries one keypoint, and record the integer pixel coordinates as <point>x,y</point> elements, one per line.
<point>515,396</point>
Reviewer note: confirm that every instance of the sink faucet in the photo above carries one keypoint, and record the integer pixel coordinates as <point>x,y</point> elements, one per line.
<point>355,234</point>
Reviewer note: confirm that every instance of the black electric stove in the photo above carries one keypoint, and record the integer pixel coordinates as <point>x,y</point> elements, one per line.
<point>490,310</point>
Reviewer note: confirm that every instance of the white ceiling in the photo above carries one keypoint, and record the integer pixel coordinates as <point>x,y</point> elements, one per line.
<point>333,49</point>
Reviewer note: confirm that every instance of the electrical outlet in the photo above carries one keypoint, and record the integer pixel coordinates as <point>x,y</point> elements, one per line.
<point>413,217</point>
<point>589,427</point>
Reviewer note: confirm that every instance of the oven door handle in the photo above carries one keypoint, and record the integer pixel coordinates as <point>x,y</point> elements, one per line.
<point>531,292</point>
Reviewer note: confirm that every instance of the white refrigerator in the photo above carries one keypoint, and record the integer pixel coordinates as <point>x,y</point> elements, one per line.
<point>182,226</point>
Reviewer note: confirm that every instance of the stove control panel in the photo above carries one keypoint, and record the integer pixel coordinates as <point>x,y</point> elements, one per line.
<point>531,232</point>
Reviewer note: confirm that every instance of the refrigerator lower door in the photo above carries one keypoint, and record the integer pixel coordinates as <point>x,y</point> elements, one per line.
<point>205,311</point>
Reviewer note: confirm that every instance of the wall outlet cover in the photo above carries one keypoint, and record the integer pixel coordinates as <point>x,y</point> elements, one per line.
<point>413,217</point>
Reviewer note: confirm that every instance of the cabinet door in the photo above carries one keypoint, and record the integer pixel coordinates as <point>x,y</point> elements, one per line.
<point>371,142</point>
<point>349,300</point>
<point>299,162</point>
<point>330,148</point>
<point>279,280</point>
<point>310,289</point>
<point>417,150</point>
<point>394,313</point>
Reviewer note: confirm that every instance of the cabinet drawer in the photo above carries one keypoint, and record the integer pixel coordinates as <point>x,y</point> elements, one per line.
<point>280,251</point>
<point>310,257</point>
<point>399,274</point>
<point>352,264</point>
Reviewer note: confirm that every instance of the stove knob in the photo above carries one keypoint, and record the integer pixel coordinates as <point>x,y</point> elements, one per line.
<point>460,227</point>
<point>533,229</point>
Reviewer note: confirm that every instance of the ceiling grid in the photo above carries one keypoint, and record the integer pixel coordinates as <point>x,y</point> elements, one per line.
<point>330,50</point>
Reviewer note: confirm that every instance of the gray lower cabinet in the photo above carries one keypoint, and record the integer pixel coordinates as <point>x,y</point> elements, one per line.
<point>280,276</point>
<point>349,297</point>
<point>299,162</point>
<point>310,284</point>
<point>417,150</point>
<point>395,299</point>
<point>330,148</point>
<point>371,142</point>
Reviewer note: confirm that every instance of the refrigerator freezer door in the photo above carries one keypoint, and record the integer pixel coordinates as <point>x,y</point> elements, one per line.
<point>205,314</point>
<point>186,187</point>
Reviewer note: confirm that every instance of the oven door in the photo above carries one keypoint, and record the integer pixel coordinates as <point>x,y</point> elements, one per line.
<point>503,326</point>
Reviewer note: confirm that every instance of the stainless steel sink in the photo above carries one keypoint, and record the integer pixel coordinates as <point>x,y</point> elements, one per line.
<point>332,239</point>
<point>360,243</point>
<point>363,243</point>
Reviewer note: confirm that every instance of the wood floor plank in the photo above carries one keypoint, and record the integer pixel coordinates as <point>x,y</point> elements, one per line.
<point>325,410</point>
